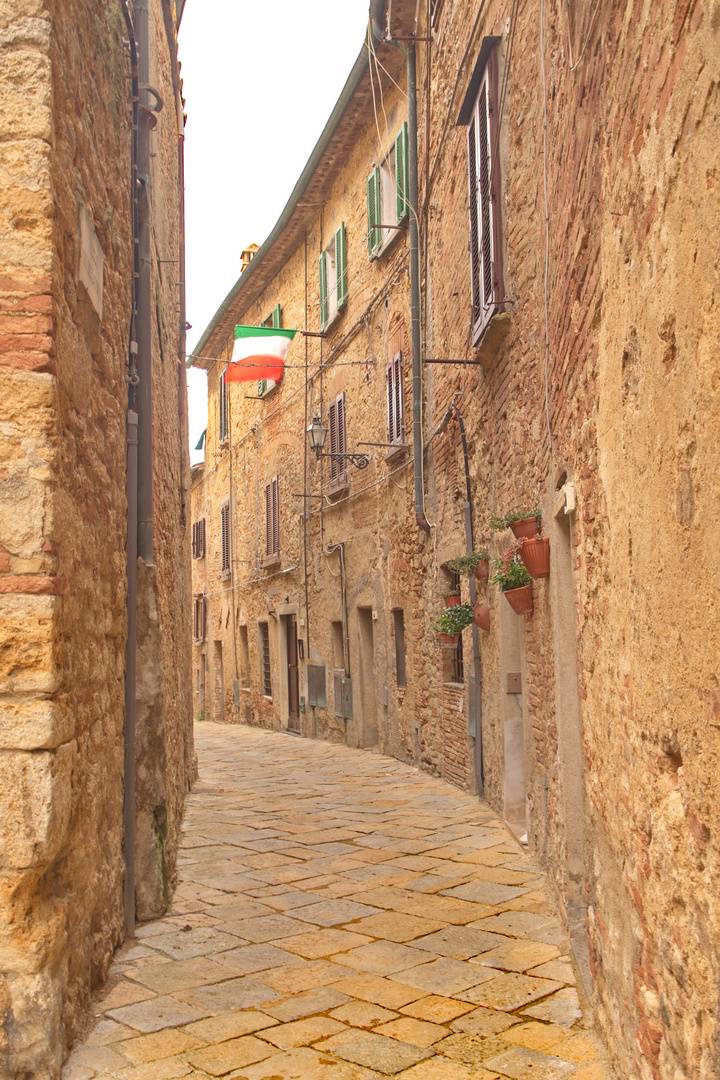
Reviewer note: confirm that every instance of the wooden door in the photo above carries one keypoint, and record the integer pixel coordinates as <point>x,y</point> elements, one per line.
<point>293,674</point>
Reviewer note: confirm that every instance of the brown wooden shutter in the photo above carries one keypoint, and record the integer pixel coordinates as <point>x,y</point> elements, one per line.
<point>333,428</point>
<point>225,535</point>
<point>395,399</point>
<point>196,628</point>
<point>194,540</point>
<point>275,515</point>
<point>268,519</point>
<point>341,438</point>
<point>202,539</point>
<point>474,225</point>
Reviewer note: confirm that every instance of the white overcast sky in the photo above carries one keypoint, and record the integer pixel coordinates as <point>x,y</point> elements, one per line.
<point>260,78</point>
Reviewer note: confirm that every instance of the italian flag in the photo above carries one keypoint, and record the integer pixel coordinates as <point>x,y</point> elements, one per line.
<point>259,353</point>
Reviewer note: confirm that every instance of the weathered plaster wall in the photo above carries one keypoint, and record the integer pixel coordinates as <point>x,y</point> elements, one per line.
<point>64,109</point>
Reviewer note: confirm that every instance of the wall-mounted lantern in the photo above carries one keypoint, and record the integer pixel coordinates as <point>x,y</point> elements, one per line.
<point>317,434</point>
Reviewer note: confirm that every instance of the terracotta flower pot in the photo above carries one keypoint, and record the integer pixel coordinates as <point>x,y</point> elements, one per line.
<point>520,600</point>
<point>482,570</point>
<point>535,554</point>
<point>452,601</point>
<point>525,528</point>
<point>447,641</point>
<point>481,616</point>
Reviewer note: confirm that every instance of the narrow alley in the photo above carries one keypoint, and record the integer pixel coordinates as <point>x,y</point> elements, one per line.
<point>341,914</point>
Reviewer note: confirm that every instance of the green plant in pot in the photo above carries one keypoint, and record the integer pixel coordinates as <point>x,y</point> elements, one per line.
<point>524,523</point>
<point>451,596</point>
<point>477,563</point>
<point>452,622</point>
<point>514,581</point>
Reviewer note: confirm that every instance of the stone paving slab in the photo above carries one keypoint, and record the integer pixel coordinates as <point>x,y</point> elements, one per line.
<point>341,916</point>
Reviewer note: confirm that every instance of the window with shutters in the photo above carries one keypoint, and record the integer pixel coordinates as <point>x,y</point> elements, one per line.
<point>274,320</point>
<point>244,658</point>
<point>272,521</point>
<point>435,9</point>
<point>399,628</point>
<point>485,205</point>
<point>199,618</point>
<point>332,271</point>
<point>265,671</point>
<point>198,539</point>
<point>225,538</point>
<point>388,195</point>
<point>338,442</point>
<point>395,410</point>
<point>223,424</point>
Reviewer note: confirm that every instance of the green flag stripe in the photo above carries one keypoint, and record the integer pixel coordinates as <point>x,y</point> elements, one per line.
<point>263,332</point>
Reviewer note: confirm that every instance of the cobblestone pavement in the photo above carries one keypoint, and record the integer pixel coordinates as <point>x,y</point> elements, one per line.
<point>341,916</point>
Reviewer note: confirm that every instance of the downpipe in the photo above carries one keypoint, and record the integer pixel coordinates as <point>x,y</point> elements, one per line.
<point>131,670</point>
<point>144,314</point>
<point>415,337</point>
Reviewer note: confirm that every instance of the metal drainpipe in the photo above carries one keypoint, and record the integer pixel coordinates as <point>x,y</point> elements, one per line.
<point>130,670</point>
<point>415,339</point>
<point>132,473</point>
<point>144,323</point>
<point>470,546</point>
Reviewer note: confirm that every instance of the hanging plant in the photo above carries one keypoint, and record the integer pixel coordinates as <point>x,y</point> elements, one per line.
<point>535,554</point>
<point>451,596</point>
<point>454,619</point>
<point>471,563</point>
<point>524,523</point>
<point>512,578</point>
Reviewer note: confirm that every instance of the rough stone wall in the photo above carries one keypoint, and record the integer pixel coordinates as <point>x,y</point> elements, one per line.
<point>632,132</point>
<point>64,113</point>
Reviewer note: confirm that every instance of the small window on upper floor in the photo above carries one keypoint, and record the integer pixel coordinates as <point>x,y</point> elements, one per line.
<point>332,271</point>
<point>274,320</point>
<point>435,9</point>
<point>481,116</point>
<point>272,521</point>
<point>388,195</point>
<point>198,539</point>
<point>338,443</point>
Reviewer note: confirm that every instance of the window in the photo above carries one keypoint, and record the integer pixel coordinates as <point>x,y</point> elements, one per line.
<point>223,425</point>
<point>272,519</point>
<point>265,674</point>
<point>332,269</point>
<point>396,426</point>
<point>399,626</point>
<point>225,537</point>
<point>388,195</point>
<point>435,9</point>
<point>244,658</point>
<point>198,539</point>
<point>454,667</point>
<point>485,210</point>
<point>338,442</point>
<point>338,645</point>
<point>273,320</point>
<point>199,618</point>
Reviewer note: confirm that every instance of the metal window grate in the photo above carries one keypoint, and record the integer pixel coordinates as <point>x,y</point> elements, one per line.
<point>317,693</point>
<point>225,536</point>
<point>265,673</point>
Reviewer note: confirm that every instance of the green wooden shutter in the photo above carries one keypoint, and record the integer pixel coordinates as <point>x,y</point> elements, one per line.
<point>341,265</point>
<point>402,185</point>
<point>373,207</point>
<point>322,273</point>
<point>276,317</point>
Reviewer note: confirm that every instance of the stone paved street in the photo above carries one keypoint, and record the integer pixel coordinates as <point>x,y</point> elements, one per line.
<point>341,916</point>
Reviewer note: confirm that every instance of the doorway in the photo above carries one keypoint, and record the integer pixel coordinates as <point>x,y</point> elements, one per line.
<point>218,684</point>
<point>368,734</point>
<point>293,675</point>
<point>513,708</point>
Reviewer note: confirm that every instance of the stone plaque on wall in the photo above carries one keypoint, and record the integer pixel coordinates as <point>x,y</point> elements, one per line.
<point>91,261</point>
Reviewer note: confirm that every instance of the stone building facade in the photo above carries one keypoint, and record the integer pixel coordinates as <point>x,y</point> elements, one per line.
<point>587,389</point>
<point>66,304</point>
